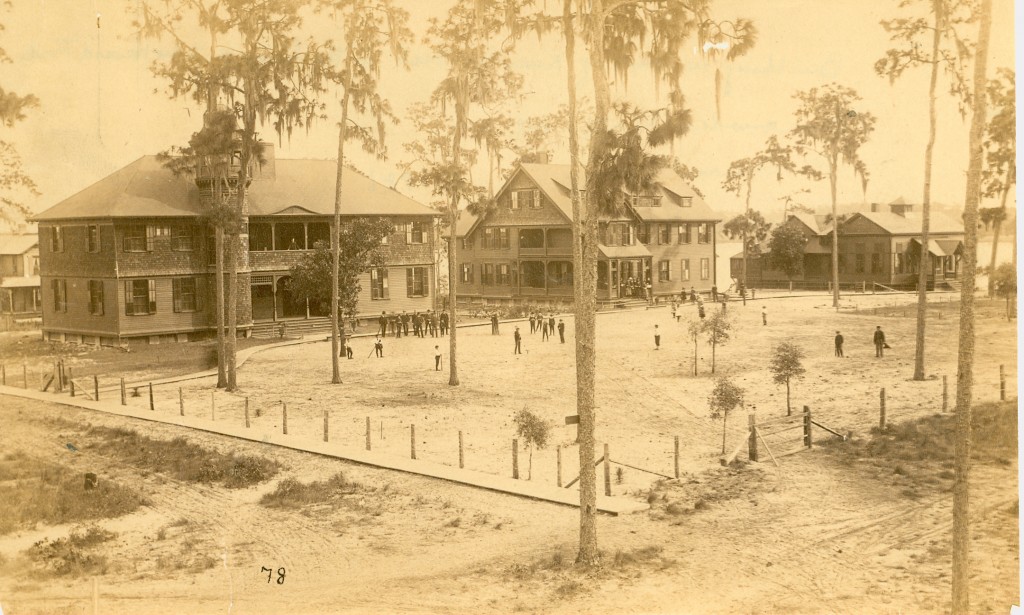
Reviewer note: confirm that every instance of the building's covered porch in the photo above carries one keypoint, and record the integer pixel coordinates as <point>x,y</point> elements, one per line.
<point>944,256</point>
<point>272,300</point>
<point>623,272</point>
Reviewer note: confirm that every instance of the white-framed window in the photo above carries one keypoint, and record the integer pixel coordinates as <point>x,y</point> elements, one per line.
<point>136,239</point>
<point>416,281</point>
<point>183,238</point>
<point>92,238</point>
<point>416,232</point>
<point>186,295</point>
<point>56,238</point>
<point>467,273</point>
<point>705,268</point>
<point>139,297</point>
<point>378,283</point>
<point>685,233</point>
<point>684,270</point>
<point>664,271</point>
<point>704,232</point>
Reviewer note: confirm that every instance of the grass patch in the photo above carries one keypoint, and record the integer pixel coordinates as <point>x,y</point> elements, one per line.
<point>35,491</point>
<point>921,451</point>
<point>674,500</point>
<point>291,493</point>
<point>70,556</point>
<point>182,459</point>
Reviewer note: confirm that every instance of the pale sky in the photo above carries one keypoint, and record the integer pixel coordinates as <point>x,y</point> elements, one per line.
<point>101,108</point>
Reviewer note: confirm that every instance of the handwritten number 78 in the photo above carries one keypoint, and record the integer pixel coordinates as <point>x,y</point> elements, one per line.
<point>270,574</point>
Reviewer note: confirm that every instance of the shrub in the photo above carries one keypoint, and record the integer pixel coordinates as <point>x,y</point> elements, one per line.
<point>68,556</point>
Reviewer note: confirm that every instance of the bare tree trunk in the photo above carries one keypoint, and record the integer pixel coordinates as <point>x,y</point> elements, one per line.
<point>965,356</point>
<point>222,358</point>
<point>746,213</point>
<point>230,344</point>
<point>584,256</point>
<point>453,288</point>
<point>336,228</point>
<point>995,237</point>
<point>835,234</point>
<point>922,279</point>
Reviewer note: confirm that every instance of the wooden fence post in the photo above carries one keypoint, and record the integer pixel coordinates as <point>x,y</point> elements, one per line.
<point>1002,383</point>
<point>462,457</point>
<point>881,409</point>
<point>284,418</point>
<point>71,376</point>
<point>752,436</point>
<point>808,442</point>
<point>213,406</point>
<point>677,457</point>
<point>151,406</point>
<point>367,433</point>
<point>246,412</point>
<point>124,396</point>
<point>515,458</point>
<point>181,402</point>
<point>96,387</point>
<point>72,388</point>
<point>412,441</point>
<point>558,456</point>
<point>326,428</point>
<point>607,472</point>
<point>3,375</point>
<point>945,395</point>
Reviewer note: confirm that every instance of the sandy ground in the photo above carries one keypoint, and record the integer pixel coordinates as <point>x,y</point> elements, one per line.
<point>811,536</point>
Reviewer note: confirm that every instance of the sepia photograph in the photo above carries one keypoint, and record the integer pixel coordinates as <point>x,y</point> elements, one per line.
<point>294,295</point>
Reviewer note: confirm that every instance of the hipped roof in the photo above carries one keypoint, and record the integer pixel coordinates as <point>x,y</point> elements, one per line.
<point>147,189</point>
<point>17,244</point>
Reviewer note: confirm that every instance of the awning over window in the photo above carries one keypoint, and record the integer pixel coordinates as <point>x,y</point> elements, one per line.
<point>637,251</point>
<point>940,247</point>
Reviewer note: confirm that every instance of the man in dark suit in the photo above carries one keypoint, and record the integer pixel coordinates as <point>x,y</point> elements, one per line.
<point>561,330</point>
<point>518,338</point>
<point>383,322</point>
<point>839,344</point>
<point>879,342</point>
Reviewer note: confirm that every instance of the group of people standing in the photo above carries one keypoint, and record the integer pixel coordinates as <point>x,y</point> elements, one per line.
<point>546,326</point>
<point>430,323</point>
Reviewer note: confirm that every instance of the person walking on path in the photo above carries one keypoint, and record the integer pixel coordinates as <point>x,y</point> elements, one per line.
<point>561,330</point>
<point>544,333</point>
<point>879,341</point>
<point>657,338</point>
<point>378,347</point>
<point>437,358</point>
<point>518,338</point>
<point>533,322</point>
<point>839,344</point>
<point>764,316</point>
<point>551,323</point>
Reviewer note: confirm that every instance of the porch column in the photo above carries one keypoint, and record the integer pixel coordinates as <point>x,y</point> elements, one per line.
<point>273,286</point>
<point>305,242</point>
<point>273,246</point>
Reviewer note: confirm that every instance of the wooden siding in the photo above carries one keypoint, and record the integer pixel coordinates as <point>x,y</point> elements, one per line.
<point>77,318</point>
<point>398,299</point>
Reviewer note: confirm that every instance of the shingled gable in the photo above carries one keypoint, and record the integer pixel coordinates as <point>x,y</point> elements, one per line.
<point>895,224</point>
<point>146,189</point>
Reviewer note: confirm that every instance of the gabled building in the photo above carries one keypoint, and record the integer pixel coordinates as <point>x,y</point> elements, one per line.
<point>875,247</point>
<point>132,255</point>
<point>522,250</point>
<point>19,276</point>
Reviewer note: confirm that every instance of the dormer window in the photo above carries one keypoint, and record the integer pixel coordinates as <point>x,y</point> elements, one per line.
<point>686,201</point>
<point>646,200</point>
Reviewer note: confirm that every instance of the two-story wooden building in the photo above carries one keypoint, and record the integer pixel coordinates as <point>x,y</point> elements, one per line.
<point>875,247</point>
<point>521,251</point>
<point>19,276</point>
<point>132,255</point>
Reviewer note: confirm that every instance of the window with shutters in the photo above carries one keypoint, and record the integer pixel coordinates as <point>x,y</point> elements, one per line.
<point>487,274</point>
<point>56,239</point>
<point>705,268</point>
<point>60,295</point>
<point>139,297</point>
<point>684,233</point>
<point>704,233</point>
<point>416,232</point>
<point>664,271</point>
<point>467,273</point>
<point>186,295</point>
<point>153,232</point>
<point>503,237</point>
<point>859,263</point>
<point>379,283</point>
<point>504,275</point>
<point>523,199</point>
<point>664,234</point>
<point>488,239</point>
<point>416,281</point>
<point>92,238</point>
<point>876,263</point>
<point>182,239</point>
<point>684,270</point>
<point>96,297</point>
<point>644,233</point>
<point>136,239</point>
